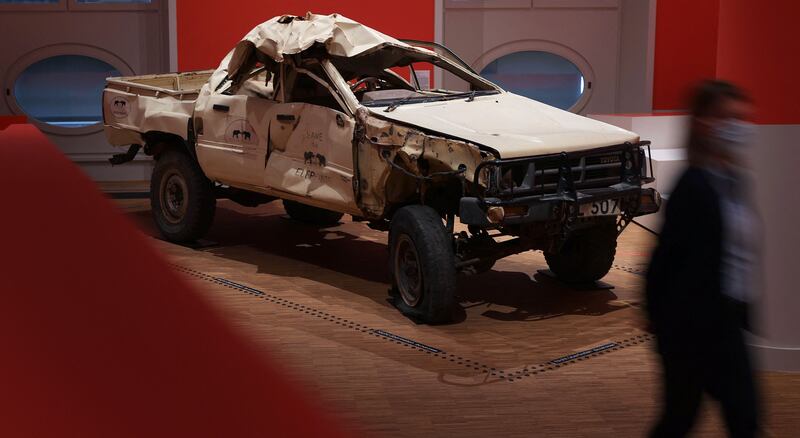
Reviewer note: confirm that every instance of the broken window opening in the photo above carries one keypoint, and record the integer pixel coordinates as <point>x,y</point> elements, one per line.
<point>310,84</point>
<point>258,83</point>
<point>409,80</point>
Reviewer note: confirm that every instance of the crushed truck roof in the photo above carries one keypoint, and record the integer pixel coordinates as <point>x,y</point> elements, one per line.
<point>341,36</point>
<point>350,45</point>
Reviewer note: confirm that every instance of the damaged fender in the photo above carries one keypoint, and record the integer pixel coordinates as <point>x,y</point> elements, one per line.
<point>418,153</point>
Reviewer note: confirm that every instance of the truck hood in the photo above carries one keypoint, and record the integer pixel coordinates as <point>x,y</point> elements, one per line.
<point>512,125</point>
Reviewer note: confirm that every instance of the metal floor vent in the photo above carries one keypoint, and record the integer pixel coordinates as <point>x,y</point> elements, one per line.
<point>509,376</point>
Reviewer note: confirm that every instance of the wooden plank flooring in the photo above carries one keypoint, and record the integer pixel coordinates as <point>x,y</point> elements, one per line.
<point>316,301</point>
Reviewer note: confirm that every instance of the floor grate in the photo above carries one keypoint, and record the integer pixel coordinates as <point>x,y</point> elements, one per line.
<point>509,376</point>
<point>630,269</point>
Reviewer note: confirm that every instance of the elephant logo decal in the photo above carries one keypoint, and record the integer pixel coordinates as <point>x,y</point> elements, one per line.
<point>120,107</point>
<point>243,135</point>
<point>240,131</point>
<point>313,159</point>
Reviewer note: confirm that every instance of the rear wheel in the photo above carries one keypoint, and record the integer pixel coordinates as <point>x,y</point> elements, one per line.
<point>586,256</point>
<point>182,199</point>
<point>422,265</point>
<point>311,215</point>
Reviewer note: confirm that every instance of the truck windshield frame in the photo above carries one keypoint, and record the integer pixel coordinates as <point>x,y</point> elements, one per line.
<point>479,85</point>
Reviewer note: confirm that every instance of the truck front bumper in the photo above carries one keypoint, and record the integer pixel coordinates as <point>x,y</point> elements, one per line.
<point>554,187</point>
<point>492,212</point>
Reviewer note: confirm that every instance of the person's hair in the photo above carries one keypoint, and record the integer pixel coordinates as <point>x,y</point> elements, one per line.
<point>705,101</point>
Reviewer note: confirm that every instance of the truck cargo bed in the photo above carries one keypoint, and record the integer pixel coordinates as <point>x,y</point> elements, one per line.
<point>169,83</point>
<point>136,105</point>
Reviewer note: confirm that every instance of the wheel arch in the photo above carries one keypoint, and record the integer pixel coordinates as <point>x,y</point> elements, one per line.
<point>157,142</point>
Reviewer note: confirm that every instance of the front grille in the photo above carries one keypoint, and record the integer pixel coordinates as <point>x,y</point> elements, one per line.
<point>541,175</point>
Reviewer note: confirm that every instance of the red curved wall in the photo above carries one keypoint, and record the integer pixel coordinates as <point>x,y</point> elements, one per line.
<point>753,44</point>
<point>758,49</point>
<point>208,29</point>
<point>686,49</point>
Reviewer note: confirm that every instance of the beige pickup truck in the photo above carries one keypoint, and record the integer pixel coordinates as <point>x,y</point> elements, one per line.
<point>329,116</point>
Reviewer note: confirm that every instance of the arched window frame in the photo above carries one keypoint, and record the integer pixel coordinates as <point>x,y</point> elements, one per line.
<point>43,53</point>
<point>544,46</point>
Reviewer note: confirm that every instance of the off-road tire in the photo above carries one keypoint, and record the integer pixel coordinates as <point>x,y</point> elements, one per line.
<point>175,168</point>
<point>586,256</point>
<point>311,215</point>
<point>419,229</point>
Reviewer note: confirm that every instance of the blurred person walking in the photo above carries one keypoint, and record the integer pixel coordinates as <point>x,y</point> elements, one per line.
<point>700,278</point>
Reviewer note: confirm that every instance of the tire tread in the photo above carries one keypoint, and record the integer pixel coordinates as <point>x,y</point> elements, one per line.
<point>201,196</point>
<point>434,247</point>
<point>593,258</point>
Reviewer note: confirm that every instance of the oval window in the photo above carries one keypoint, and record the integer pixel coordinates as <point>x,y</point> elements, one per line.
<point>64,90</point>
<point>542,76</point>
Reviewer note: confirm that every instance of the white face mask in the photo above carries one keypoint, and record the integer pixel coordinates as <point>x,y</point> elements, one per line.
<point>733,134</point>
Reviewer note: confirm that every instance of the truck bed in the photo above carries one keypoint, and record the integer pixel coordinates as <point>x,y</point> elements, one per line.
<point>136,105</point>
<point>170,83</point>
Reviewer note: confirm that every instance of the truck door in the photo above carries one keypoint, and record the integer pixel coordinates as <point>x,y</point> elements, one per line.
<point>232,135</point>
<point>311,142</point>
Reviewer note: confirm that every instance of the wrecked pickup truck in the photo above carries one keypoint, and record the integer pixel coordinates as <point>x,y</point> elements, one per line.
<point>330,116</point>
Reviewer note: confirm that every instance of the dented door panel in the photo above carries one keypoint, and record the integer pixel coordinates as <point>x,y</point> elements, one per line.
<point>311,154</point>
<point>232,142</point>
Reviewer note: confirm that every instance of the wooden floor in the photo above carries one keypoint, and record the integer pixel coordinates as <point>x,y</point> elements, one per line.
<point>316,301</point>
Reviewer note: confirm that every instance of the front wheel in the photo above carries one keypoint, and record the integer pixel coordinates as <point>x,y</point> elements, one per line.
<point>586,256</point>
<point>422,264</point>
<point>182,199</point>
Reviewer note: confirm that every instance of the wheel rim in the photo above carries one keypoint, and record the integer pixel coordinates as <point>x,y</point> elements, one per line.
<point>174,193</point>
<point>408,274</point>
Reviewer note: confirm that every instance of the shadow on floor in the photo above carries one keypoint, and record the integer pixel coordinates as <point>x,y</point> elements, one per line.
<point>522,298</point>
<point>347,249</point>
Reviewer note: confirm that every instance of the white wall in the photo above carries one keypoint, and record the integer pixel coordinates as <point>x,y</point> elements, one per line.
<point>776,165</point>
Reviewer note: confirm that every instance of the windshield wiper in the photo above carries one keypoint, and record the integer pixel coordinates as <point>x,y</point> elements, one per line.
<point>470,95</point>
<point>394,106</point>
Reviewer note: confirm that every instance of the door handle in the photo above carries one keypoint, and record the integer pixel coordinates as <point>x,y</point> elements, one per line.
<point>285,117</point>
<point>223,108</point>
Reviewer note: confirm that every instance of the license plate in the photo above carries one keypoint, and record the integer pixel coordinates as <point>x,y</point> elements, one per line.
<point>607,207</point>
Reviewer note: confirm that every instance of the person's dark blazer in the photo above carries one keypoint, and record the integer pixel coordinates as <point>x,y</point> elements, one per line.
<point>687,309</point>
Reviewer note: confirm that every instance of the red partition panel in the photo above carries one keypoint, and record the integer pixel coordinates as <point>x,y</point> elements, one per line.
<point>6,121</point>
<point>758,49</point>
<point>99,337</point>
<point>686,49</point>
